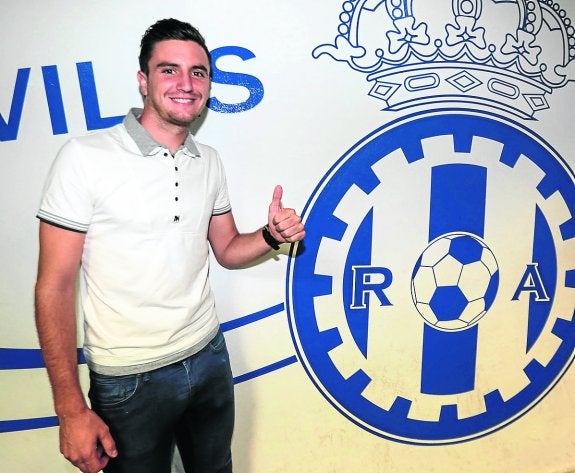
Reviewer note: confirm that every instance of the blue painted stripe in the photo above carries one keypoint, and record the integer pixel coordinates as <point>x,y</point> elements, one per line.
<point>359,254</point>
<point>45,422</point>
<point>22,358</point>
<point>265,370</point>
<point>546,258</point>
<point>26,358</point>
<point>458,195</point>
<point>27,424</point>
<point>31,358</point>
<point>249,319</point>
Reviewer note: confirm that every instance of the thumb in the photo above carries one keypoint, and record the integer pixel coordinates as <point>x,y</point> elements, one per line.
<point>108,445</point>
<point>276,204</point>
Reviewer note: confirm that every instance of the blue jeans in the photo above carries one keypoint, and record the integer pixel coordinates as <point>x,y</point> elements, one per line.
<point>189,404</point>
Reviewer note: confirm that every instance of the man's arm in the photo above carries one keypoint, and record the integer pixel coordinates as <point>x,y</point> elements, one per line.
<point>81,430</point>
<point>233,249</point>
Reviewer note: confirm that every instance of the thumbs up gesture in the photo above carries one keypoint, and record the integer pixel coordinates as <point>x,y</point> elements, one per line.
<point>284,224</point>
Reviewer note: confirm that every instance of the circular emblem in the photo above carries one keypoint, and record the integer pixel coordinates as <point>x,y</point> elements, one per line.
<point>432,301</point>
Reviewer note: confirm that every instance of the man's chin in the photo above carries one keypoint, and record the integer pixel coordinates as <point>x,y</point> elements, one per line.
<point>183,122</point>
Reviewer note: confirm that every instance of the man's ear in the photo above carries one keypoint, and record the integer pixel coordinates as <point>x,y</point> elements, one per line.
<point>143,83</point>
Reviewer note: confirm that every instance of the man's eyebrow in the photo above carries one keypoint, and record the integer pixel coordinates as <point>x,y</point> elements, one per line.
<point>166,64</point>
<point>201,67</point>
<point>170,64</point>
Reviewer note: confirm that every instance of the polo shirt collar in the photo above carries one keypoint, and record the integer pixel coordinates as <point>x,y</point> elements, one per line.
<point>146,144</point>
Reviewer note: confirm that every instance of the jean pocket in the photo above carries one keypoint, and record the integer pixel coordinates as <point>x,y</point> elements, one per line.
<point>218,343</point>
<point>112,391</point>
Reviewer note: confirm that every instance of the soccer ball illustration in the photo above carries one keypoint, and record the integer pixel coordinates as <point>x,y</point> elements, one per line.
<point>454,281</point>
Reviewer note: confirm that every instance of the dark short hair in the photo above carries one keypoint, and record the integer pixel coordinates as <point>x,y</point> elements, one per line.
<point>166,29</point>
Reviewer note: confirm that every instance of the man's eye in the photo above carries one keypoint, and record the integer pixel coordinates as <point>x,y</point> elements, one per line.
<point>201,74</point>
<point>168,71</point>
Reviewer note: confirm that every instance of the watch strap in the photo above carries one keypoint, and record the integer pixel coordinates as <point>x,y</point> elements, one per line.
<point>270,240</point>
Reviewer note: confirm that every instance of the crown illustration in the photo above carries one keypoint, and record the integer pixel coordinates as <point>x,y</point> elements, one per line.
<point>503,54</point>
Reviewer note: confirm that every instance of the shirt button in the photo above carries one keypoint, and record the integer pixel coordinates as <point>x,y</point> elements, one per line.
<point>176,168</point>
<point>177,184</point>
<point>177,199</point>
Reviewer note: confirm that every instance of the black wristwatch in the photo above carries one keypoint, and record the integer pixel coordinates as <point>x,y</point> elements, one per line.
<point>270,240</point>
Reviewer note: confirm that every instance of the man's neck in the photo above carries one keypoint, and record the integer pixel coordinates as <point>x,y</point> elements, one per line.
<point>168,135</point>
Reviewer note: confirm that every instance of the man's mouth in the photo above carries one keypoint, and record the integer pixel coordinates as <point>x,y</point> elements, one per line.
<point>183,100</point>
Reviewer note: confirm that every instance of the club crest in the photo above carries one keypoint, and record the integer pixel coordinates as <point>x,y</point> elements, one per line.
<point>434,300</point>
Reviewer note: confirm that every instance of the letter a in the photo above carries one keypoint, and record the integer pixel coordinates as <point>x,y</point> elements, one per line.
<point>531,282</point>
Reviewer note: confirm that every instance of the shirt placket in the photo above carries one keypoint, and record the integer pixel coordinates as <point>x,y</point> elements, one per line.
<point>177,188</point>
<point>176,164</point>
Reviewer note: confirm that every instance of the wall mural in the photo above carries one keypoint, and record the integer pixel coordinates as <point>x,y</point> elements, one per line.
<point>433,299</point>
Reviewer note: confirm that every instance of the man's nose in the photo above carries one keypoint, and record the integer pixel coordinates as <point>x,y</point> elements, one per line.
<point>186,83</point>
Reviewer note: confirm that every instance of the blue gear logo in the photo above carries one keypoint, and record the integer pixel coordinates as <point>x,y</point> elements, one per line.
<point>454,281</point>
<point>434,299</point>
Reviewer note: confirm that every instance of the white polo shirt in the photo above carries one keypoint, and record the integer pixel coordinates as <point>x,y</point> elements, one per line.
<point>144,286</point>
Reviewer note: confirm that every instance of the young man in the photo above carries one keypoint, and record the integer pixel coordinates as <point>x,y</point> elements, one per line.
<point>134,208</point>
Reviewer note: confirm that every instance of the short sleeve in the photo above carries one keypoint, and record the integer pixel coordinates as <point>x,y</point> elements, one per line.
<point>66,200</point>
<point>222,203</point>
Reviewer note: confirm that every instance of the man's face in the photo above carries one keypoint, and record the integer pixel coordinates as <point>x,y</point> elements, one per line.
<point>177,86</point>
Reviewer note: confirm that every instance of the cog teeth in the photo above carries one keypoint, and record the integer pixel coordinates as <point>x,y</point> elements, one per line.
<point>348,209</point>
<point>329,258</point>
<point>329,313</point>
<point>543,352</point>
<point>378,392</point>
<point>425,409</point>
<point>346,359</point>
<point>563,309</point>
<point>555,205</point>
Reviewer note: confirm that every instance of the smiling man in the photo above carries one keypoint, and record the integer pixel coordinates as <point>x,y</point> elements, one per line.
<point>136,209</point>
<point>176,86</point>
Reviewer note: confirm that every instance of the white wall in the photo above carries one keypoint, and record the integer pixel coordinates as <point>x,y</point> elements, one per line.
<point>314,111</point>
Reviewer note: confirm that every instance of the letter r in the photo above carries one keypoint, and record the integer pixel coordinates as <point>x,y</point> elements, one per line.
<point>368,279</point>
